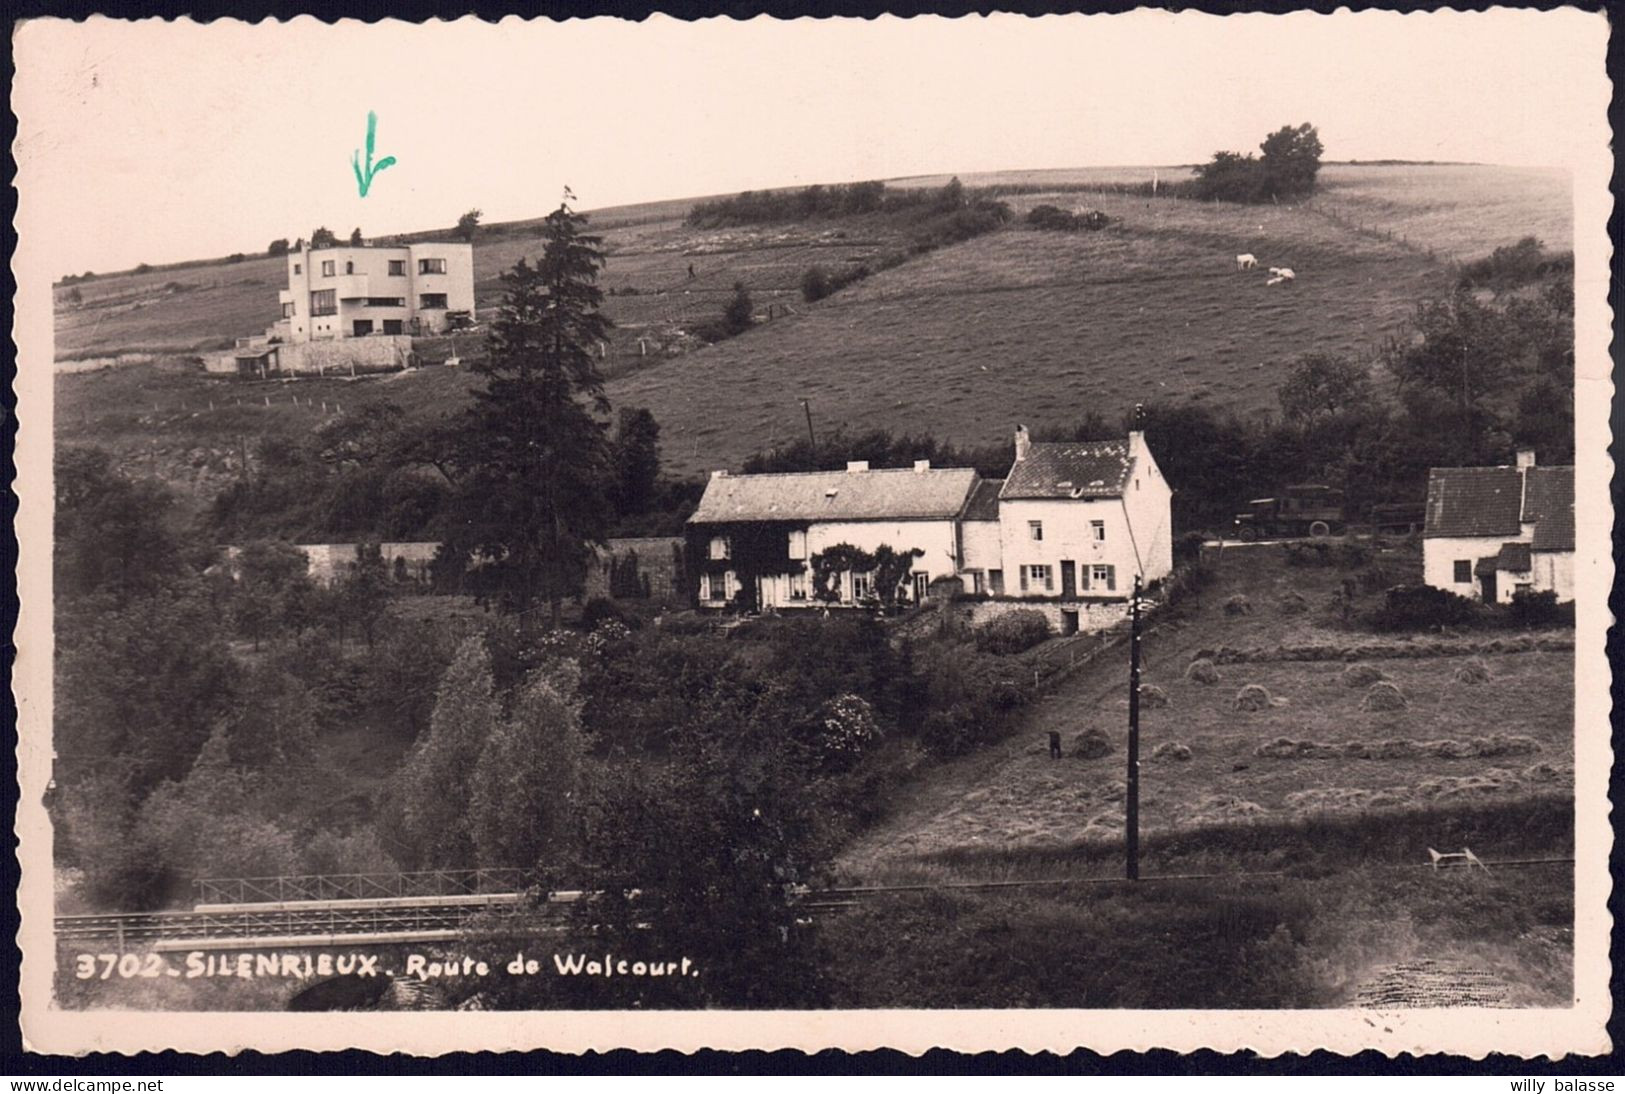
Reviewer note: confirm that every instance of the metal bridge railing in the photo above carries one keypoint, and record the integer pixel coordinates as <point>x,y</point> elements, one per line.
<point>277,890</point>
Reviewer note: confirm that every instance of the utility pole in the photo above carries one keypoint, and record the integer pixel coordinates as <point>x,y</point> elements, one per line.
<point>1132,827</point>
<point>812,441</point>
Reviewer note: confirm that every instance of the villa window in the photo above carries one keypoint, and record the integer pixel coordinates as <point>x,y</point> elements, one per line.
<point>716,586</point>
<point>1103,577</point>
<point>298,269</point>
<point>431,265</point>
<point>432,300</point>
<point>863,586</point>
<point>798,586</point>
<point>324,302</point>
<point>327,268</point>
<point>349,267</point>
<point>1098,529</point>
<point>797,545</point>
<point>386,301</point>
<point>1464,571</point>
<point>397,267</point>
<point>1037,577</point>
<point>287,310</point>
<point>719,547</point>
<point>1035,528</point>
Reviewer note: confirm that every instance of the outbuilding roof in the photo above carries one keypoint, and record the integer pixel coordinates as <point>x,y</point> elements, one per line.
<point>984,500</point>
<point>1548,504</point>
<point>1088,469</point>
<point>1473,501</point>
<point>903,494</point>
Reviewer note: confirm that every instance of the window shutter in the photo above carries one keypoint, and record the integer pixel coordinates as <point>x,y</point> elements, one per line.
<point>1111,578</point>
<point>1049,579</point>
<point>1023,579</point>
<point>1083,578</point>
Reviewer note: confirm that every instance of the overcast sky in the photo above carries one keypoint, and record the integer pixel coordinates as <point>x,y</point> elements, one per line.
<point>153,142</point>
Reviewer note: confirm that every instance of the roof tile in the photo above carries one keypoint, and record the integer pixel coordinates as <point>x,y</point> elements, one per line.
<point>1094,469</point>
<point>1473,501</point>
<point>903,494</point>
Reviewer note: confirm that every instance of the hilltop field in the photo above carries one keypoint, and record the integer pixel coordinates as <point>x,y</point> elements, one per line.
<point>1017,325</point>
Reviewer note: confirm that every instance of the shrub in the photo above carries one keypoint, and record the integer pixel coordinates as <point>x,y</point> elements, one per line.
<point>1091,744</point>
<point>1012,633</point>
<point>1202,671</point>
<point>1254,697</point>
<point>963,697</point>
<point>1171,750</point>
<point>814,284</point>
<point>846,729</point>
<point>1531,609</point>
<point>1472,671</point>
<point>1384,696</point>
<point>1188,548</point>
<point>1238,605</point>
<point>1410,607</point>
<point>1360,676</point>
<point>1152,697</point>
<point>601,610</point>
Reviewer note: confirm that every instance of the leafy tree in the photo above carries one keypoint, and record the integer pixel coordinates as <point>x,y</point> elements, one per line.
<point>274,588</point>
<point>112,535</point>
<point>322,237</point>
<point>139,685</point>
<point>637,459</point>
<point>736,317</point>
<point>355,237</point>
<point>278,248</point>
<point>366,589</point>
<point>524,808</point>
<point>1323,384</point>
<point>1462,351</point>
<point>537,460</point>
<point>468,225</point>
<point>274,722</point>
<point>1229,176</point>
<point>402,678</point>
<point>431,792</point>
<point>1291,161</point>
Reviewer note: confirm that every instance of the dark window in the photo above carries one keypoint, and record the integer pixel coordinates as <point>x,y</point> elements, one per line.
<point>287,310</point>
<point>397,267</point>
<point>1464,571</point>
<point>392,326</point>
<point>386,301</point>
<point>432,300</point>
<point>431,265</point>
<point>1035,528</point>
<point>327,268</point>
<point>324,302</point>
<point>298,268</point>
<point>349,267</point>
<point>363,327</point>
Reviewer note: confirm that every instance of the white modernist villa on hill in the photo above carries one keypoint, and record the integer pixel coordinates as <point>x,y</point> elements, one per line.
<point>1066,532</point>
<point>351,292</point>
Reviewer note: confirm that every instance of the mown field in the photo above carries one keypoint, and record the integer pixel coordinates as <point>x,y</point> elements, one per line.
<point>1013,800</point>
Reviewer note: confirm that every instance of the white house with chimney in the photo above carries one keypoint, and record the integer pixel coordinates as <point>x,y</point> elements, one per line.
<point>1065,532</point>
<point>1492,532</point>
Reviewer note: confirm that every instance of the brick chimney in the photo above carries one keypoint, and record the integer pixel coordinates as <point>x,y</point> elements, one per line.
<point>1526,458</point>
<point>1023,442</point>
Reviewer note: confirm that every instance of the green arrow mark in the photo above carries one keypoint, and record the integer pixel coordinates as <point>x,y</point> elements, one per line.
<point>364,177</point>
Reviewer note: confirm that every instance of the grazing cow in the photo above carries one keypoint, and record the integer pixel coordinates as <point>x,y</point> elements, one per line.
<point>1280,274</point>
<point>1245,262</point>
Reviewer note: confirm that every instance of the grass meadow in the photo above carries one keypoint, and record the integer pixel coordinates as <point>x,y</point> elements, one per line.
<point>1019,325</point>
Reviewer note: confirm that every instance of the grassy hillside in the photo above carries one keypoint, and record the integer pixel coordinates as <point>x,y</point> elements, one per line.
<point>1020,325</point>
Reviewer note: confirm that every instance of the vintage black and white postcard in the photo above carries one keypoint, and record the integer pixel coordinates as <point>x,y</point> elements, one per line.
<point>998,532</point>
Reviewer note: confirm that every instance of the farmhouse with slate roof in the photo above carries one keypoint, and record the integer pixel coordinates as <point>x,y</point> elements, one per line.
<point>1494,531</point>
<point>1065,532</point>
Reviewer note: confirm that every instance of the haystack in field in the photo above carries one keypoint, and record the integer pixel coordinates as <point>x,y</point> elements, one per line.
<point>1361,676</point>
<point>1202,671</point>
<point>1171,750</point>
<point>1383,696</point>
<point>1238,605</point>
<point>1152,697</point>
<point>1091,744</point>
<point>1292,602</point>
<point>1254,697</point>
<point>1474,670</point>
